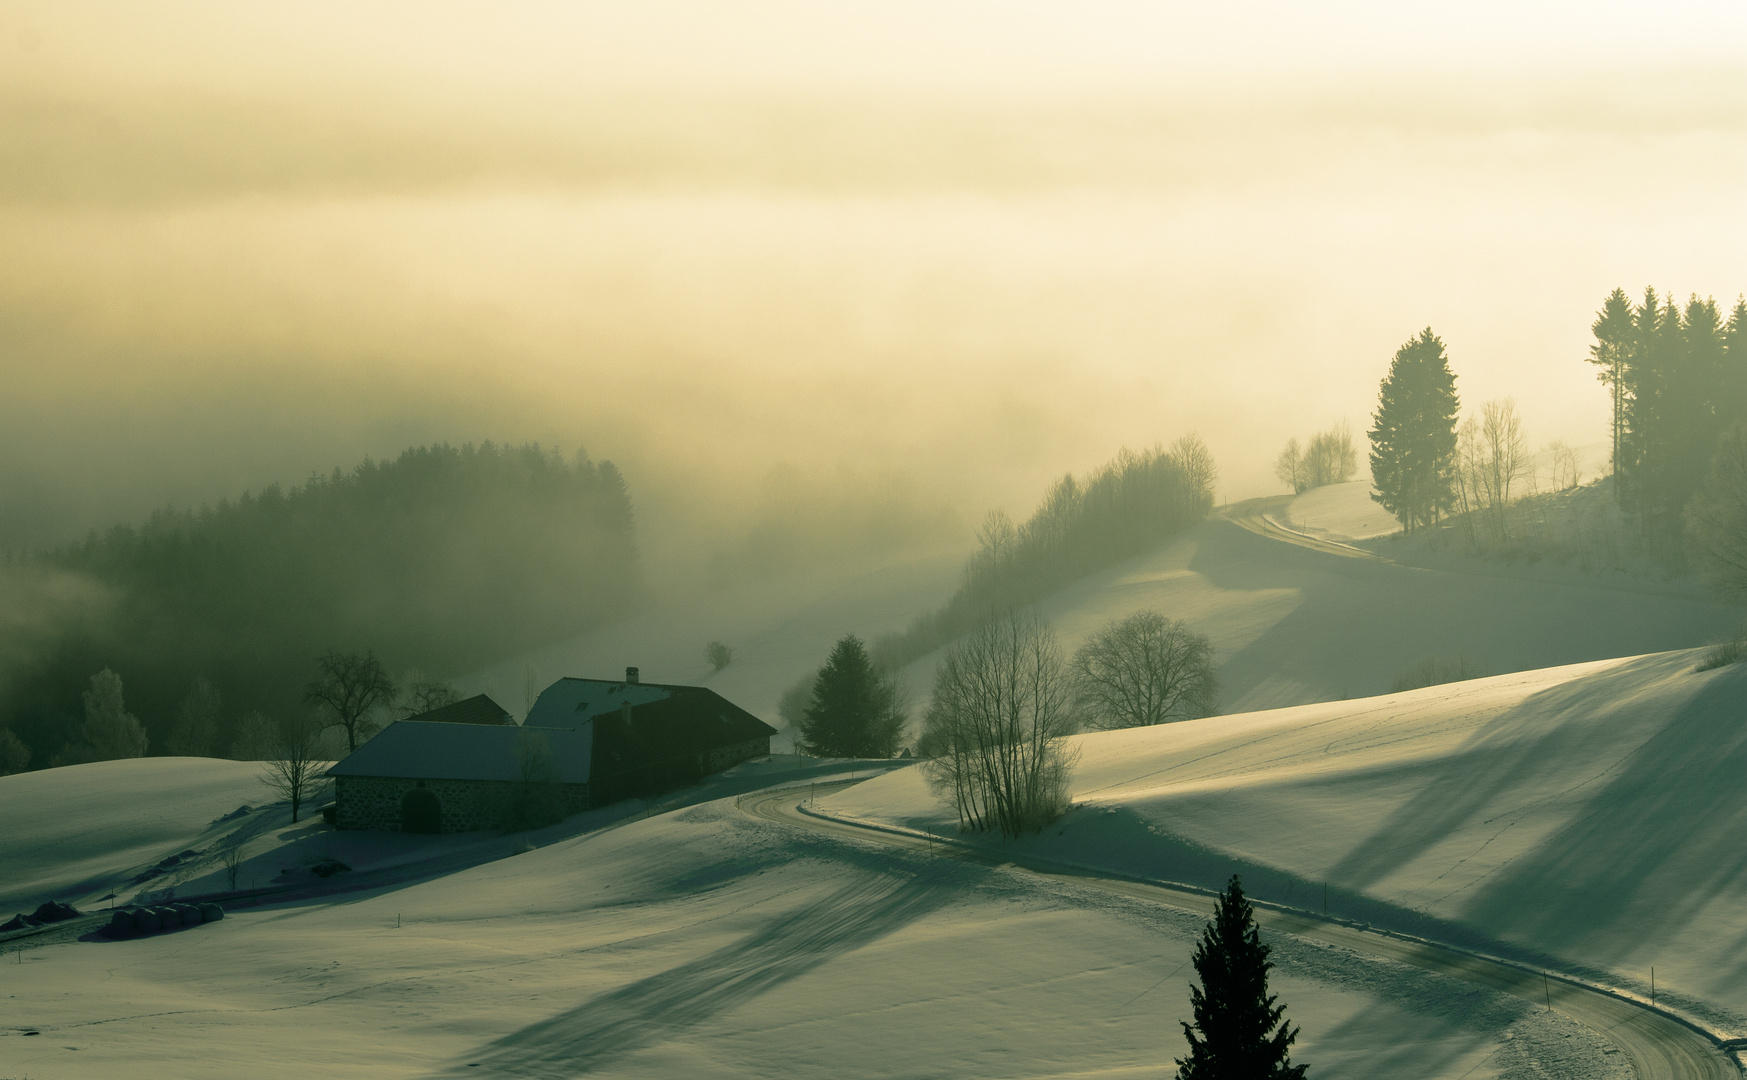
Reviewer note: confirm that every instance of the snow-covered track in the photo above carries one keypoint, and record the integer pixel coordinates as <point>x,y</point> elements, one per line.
<point>1658,1045</point>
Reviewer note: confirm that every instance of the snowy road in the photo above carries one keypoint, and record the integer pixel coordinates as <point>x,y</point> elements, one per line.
<point>1658,1047</point>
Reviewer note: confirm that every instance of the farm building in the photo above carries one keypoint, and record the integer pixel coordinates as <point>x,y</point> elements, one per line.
<point>589,742</point>
<point>478,709</point>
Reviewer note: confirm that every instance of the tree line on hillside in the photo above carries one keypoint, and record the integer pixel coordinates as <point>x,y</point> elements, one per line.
<point>445,558</point>
<point>993,742</point>
<point>1127,507</point>
<point>1678,378</point>
<point>1328,458</point>
<point>1004,697</point>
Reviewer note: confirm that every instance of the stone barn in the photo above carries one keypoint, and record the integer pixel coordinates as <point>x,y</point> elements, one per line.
<point>598,740</point>
<point>422,776</point>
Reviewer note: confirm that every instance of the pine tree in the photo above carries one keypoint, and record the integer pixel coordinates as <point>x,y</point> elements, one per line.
<point>1413,445</point>
<point>1611,352</point>
<point>854,711</point>
<point>1239,1031</point>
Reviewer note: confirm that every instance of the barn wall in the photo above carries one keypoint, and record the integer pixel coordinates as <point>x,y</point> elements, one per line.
<point>373,802</point>
<point>723,756</point>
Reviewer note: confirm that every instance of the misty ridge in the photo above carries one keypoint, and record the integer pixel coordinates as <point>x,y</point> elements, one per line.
<point>437,560</point>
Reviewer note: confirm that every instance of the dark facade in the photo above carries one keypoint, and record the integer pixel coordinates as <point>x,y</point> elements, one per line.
<point>588,742</point>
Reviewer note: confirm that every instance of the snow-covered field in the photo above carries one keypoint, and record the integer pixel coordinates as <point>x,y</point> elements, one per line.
<point>1593,814</point>
<point>1587,815</point>
<point>707,942</point>
<point>1339,512</point>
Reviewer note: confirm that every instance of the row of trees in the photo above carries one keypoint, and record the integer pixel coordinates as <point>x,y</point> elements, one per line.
<point>1678,376</point>
<point>1329,458</point>
<point>1005,697</point>
<point>1423,466</point>
<point>1128,506</point>
<point>450,557</point>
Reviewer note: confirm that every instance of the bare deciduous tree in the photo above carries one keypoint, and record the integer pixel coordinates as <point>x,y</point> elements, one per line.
<point>1492,460</point>
<point>1331,457</point>
<point>230,856</point>
<point>255,738</point>
<point>1567,468</point>
<point>538,799</point>
<point>1002,704</point>
<point>14,755</point>
<point>110,731</point>
<point>197,721</point>
<point>1289,468</point>
<point>718,655</point>
<point>294,772</point>
<point>1142,670</point>
<point>351,687</point>
<point>530,688</point>
<point>1199,469</point>
<point>423,693</point>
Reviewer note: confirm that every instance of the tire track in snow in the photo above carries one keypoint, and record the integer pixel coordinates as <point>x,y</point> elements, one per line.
<point>1658,1046</point>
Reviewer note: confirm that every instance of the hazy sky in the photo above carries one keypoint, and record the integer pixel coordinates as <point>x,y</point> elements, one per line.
<point>767,254</point>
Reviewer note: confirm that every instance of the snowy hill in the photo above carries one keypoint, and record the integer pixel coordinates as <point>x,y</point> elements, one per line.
<point>1290,624</point>
<point>711,942</point>
<point>1594,813</point>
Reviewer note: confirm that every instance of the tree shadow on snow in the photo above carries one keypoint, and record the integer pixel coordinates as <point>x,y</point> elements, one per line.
<point>652,1010</point>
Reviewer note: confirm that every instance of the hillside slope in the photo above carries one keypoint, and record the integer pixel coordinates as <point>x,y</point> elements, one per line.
<point>1291,625</point>
<point>710,942</point>
<point>1593,813</point>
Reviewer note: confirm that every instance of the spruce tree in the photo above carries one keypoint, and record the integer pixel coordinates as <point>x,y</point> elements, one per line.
<point>1413,445</point>
<point>1239,1031</point>
<point>854,711</point>
<point>1611,352</point>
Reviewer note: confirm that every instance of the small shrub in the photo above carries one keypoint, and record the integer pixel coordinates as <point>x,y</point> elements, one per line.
<point>1724,653</point>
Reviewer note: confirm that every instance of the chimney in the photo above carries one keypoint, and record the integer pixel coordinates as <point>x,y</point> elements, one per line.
<point>631,676</point>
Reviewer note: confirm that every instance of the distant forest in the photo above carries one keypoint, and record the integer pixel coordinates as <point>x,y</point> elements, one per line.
<point>1679,380</point>
<point>1129,506</point>
<point>443,559</point>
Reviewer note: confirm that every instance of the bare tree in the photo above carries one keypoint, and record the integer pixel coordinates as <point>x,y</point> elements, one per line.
<point>255,738</point>
<point>1492,461</point>
<point>1716,520</point>
<point>351,687</point>
<point>294,772</point>
<point>530,688</point>
<point>14,755</point>
<point>1567,470</point>
<point>1331,457</point>
<point>197,721</point>
<point>1504,458</point>
<point>1289,467</point>
<point>1002,704</point>
<point>1143,670</point>
<point>538,799</point>
<point>230,856</point>
<point>1199,469</point>
<point>423,693</point>
<point>110,731</point>
<point>718,654</point>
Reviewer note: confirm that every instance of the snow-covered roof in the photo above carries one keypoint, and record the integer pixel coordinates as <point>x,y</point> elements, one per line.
<point>478,709</point>
<point>570,701</point>
<point>420,750</point>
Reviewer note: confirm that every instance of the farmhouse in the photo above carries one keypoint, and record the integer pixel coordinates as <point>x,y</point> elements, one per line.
<point>590,741</point>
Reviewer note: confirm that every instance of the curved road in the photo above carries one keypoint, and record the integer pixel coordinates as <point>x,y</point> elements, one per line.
<point>1658,1046</point>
